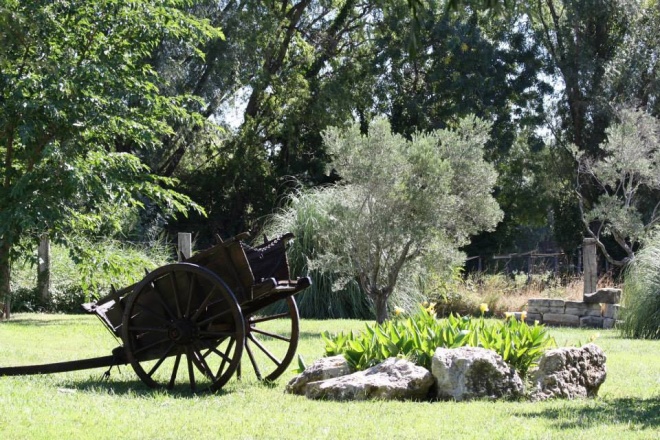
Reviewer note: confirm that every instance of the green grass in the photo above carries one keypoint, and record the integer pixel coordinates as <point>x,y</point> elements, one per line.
<point>78,405</point>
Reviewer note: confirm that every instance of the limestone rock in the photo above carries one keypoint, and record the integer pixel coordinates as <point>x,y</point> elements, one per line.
<point>611,311</point>
<point>591,321</point>
<point>393,379</point>
<point>580,308</point>
<point>569,373</point>
<point>607,295</point>
<point>561,319</point>
<point>322,369</point>
<point>473,372</point>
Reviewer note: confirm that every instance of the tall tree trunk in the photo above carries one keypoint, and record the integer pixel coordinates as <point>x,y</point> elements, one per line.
<point>5,273</point>
<point>380,304</point>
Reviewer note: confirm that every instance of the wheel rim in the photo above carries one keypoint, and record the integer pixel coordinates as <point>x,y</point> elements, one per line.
<point>183,325</point>
<point>272,339</point>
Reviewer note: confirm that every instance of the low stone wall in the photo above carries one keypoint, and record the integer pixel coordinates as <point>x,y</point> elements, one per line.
<point>575,313</point>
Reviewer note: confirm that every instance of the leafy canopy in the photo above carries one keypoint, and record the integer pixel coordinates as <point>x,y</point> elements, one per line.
<point>76,87</point>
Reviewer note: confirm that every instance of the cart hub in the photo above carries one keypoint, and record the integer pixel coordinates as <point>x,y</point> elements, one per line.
<point>181,331</point>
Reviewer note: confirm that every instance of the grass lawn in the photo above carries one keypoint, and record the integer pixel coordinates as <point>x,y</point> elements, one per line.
<point>79,405</point>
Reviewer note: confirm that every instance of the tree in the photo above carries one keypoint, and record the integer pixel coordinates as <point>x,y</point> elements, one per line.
<point>75,82</point>
<point>628,177</point>
<point>402,201</point>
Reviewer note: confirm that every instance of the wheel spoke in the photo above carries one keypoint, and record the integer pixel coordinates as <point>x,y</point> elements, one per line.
<point>134,328</point>
<point>212,318</point>
<point>253,361</point>
<point>203,305</point>
<point>215,334</point>
<point>269,334</point>
<point>159,297</point>
<point>190,294</point>
<point>191,371</point>
<point>176,295</point>
<point>175,369</point>
<point>151,312</point>
<point>225,356</point>
<point>269,318</point>
<point>202,363</point>
<point>265,350</point>
<point>160,361</point>
<point>150,346</point>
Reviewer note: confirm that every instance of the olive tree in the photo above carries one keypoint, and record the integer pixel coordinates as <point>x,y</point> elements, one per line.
<point>628,179</point>
<point>400,201</point>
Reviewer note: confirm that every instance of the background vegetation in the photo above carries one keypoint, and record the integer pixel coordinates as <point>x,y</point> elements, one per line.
<point>115,115</point>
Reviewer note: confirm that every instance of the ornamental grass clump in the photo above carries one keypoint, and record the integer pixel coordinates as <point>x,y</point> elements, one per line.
<point>416,338</point>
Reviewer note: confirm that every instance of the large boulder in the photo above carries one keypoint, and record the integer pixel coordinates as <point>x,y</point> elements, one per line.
<point>323,369</point>
<point>569,373</point>
<point>606,295</point>
<point>393,379</point>
<point>471,373</point>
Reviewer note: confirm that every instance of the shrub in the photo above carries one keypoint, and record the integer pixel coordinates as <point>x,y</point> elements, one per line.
<point>641,293</point>
<point>74,281</point>
<point>416,337</point>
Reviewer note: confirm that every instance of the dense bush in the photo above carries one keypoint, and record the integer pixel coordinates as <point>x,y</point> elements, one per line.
<point>417,337</point>
<point>88,274</point>
<point>641,293</point>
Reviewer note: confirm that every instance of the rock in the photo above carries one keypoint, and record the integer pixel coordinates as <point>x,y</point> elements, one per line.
<point>322,369</point>
<point>591,321</point>
<point>544,305</point>
<point>473,372</point>
<point>608,323</point>
<point>580,308</point>
<point>607,295</point>
<point>533,317</point>
<point>569,373</point>
<point>393,379</point>
<point>561,319</point>
<point>611,311</point>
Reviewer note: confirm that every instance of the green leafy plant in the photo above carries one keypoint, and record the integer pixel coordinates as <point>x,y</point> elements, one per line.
<point>416,338</point>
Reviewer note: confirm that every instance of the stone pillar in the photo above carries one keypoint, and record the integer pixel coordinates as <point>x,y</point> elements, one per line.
<point>589,265</point>
<point>43,274</point>
<point>184,245</point>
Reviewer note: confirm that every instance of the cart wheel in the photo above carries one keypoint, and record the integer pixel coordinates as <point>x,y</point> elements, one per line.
<point>272,339</point>
<point>183,311</point>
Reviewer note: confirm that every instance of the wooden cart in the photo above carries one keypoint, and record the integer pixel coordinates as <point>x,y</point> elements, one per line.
<point>191,322</point>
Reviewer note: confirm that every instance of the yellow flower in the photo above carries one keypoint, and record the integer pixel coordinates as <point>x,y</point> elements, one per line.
<point>425,304</point>
<point>398,311</point>
<point>523,316</point>
<point>483,307</point>
<point>431,309</point>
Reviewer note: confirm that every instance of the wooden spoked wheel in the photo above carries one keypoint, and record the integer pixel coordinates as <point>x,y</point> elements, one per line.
<point>183,325</point>
<point>272,339</point>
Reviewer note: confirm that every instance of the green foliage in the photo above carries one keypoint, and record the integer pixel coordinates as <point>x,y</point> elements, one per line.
<point>641,293</point>
<point>84,272</point>
<point>401,203</point>
<point>626,171</point>
<point>416,338</point>
<point>329,296</point>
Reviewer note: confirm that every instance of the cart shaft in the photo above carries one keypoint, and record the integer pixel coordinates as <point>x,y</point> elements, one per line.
<point>61,367</point>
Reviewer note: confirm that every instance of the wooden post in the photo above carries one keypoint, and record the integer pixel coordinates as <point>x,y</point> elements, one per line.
<point>43,274</point>
<point>589,265</point>
<point>184,245</point>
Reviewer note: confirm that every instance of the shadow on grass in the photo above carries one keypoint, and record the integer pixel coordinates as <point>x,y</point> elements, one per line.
<point>638,413</point>
<point>136,388</point>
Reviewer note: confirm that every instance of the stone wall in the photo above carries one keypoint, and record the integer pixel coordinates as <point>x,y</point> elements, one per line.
<point>598,310</point>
